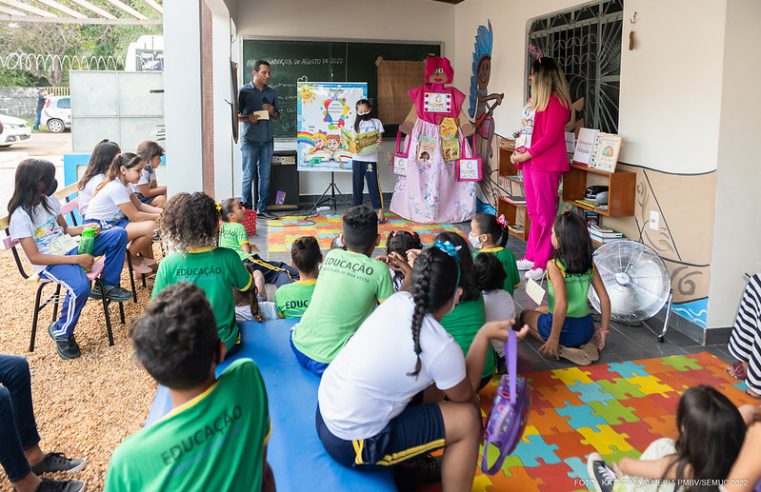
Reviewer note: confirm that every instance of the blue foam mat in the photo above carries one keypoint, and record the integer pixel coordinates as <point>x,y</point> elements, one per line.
<point>296,455</point>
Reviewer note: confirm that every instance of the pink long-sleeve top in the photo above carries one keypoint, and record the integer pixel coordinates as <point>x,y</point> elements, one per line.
<point>547,149</point>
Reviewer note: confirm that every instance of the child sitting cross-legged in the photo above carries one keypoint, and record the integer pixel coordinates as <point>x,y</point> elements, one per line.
<point>350,286</point>
<point>233,235</point>
<point>215,437</point>
<point>190,223</point>
<point>293,299</point>
<point>368,416</point>
<point>37,224</point>
<point>567,329</point>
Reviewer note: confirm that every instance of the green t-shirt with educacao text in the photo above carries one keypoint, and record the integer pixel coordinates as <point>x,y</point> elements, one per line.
<point>507,259</point>
<point>292,300</point>
<point>463,323</point>
<point>233,235</point>
<point>215,441</point>
<point>348,289</point>
<point>215,270</point>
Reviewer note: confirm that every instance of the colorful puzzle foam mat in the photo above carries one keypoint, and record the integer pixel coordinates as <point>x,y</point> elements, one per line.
<point>282,232</point>
<point>615,409</point>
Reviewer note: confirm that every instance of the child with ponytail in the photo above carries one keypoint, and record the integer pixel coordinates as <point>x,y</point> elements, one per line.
<point>114,205</point>
<point>365,417</point>
<point>488,234</point>
<point>190,223</point>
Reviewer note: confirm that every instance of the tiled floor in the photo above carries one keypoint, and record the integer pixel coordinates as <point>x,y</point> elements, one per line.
<point>623,343</point>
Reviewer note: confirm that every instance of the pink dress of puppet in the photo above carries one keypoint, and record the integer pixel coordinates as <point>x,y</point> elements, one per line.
<point>430,192</point>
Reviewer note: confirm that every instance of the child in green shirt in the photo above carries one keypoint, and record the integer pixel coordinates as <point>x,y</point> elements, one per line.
<point>190,222</point>
<point>488,234</point>
<point>291,300</point>
<point>215,437</point>
<point>233,235</point>
<point>350,286</point>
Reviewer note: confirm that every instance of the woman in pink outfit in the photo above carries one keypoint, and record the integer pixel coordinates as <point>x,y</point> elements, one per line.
<point>430,192</point>
<point>541,153</point>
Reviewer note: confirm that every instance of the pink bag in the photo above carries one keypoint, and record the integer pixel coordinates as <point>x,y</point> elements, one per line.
<point>468,168</point>
<point>509,411</point>
<point>400,159</point>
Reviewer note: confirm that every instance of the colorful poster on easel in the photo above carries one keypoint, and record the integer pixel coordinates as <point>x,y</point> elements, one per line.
<point>324,110</point>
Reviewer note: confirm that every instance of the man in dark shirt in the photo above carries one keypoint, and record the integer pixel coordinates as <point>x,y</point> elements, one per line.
<point>258,105</point>
<point>40,104</point>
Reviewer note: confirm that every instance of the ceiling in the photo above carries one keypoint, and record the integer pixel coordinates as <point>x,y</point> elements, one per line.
<point>82,11</point>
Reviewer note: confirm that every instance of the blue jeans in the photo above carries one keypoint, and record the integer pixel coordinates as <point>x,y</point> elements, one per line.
<point>110,242</point>
<point>37,121</point>
<point>18,430</point>
<point>256,155</point>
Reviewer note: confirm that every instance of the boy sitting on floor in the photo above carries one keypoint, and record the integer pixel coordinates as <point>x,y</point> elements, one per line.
<point>291,300</point>
<point>215,437</point>
<point>350,286</point>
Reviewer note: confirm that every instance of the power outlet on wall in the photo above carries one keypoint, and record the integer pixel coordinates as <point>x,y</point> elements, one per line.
<point>655,220</point>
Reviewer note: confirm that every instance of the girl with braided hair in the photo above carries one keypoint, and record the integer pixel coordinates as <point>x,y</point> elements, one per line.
<point>367,415</point>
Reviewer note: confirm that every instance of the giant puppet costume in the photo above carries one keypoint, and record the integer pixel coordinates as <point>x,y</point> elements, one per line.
<point>436,128</point>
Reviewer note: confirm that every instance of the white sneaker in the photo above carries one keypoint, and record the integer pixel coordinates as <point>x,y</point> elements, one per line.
<point>525,264</point>
<point>535,274</point>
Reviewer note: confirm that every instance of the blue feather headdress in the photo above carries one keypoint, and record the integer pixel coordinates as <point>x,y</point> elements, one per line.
<point>481,49</point>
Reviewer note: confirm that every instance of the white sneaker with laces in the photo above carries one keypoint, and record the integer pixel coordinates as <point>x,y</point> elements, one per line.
<point>525,264</point>
<point>535,274</point>
<point>602,476</point>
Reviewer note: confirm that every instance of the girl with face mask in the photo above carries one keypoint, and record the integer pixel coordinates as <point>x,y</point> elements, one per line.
<point>365,163</point>
<point>37,224</point>
<point>488,234</point>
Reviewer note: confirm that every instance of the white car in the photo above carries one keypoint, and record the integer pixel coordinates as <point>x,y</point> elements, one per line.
<point>56,115</point>
<point>15,130</point>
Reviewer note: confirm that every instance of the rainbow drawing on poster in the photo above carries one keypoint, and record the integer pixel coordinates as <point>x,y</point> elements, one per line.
<point>324,110</point>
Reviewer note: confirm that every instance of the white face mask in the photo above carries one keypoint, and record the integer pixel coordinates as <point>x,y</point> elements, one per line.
<point>362,113</point>
<point>475,241</point>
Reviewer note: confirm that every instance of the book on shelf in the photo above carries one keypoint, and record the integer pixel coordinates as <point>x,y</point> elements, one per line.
<point>606,240</point>
<point>516,199</point>
<point>516,228</point>
<point>587,203</point>
<point>597,149</point>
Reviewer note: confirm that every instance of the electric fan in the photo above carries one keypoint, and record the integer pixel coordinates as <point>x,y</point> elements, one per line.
<point>637,282</point>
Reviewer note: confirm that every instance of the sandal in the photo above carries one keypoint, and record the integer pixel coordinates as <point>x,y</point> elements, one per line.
<point>575,355</point>
<point>753,394</point>
<point>737,370</point>
<point>590,350</point>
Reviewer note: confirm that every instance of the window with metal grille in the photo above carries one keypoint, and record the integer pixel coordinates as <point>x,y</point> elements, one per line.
<point>586,41</point>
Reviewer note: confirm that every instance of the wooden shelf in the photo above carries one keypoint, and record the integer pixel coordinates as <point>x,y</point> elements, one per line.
<point>621,189</point>
<point>515,213</point>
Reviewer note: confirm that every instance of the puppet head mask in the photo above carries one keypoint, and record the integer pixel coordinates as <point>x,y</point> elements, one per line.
<point>438,70</point>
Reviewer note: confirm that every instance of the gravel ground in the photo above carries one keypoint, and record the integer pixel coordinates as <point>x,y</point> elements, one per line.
<point>85,407</point>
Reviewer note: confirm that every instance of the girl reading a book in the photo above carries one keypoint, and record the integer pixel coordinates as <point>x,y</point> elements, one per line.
<point>540,152</point>
<point>364,164</point>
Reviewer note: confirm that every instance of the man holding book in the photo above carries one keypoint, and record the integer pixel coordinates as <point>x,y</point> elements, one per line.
<point>258,105</point>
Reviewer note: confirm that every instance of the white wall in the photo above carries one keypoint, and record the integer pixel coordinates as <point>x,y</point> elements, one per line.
<point>737,234</point>
<point>393,20</point>
<point>670,85</point>
<point>182,95</point>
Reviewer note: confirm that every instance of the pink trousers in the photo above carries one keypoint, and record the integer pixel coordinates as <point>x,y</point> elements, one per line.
<point>541,189</point>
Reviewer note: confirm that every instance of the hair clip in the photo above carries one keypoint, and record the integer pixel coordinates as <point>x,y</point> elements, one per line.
<point>534,50</point>
<point>219,208</point>
<point>448,248</point>
<point>502,221</point>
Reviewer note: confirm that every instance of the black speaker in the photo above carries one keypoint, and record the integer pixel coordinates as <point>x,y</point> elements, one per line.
<point>284,182</point>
